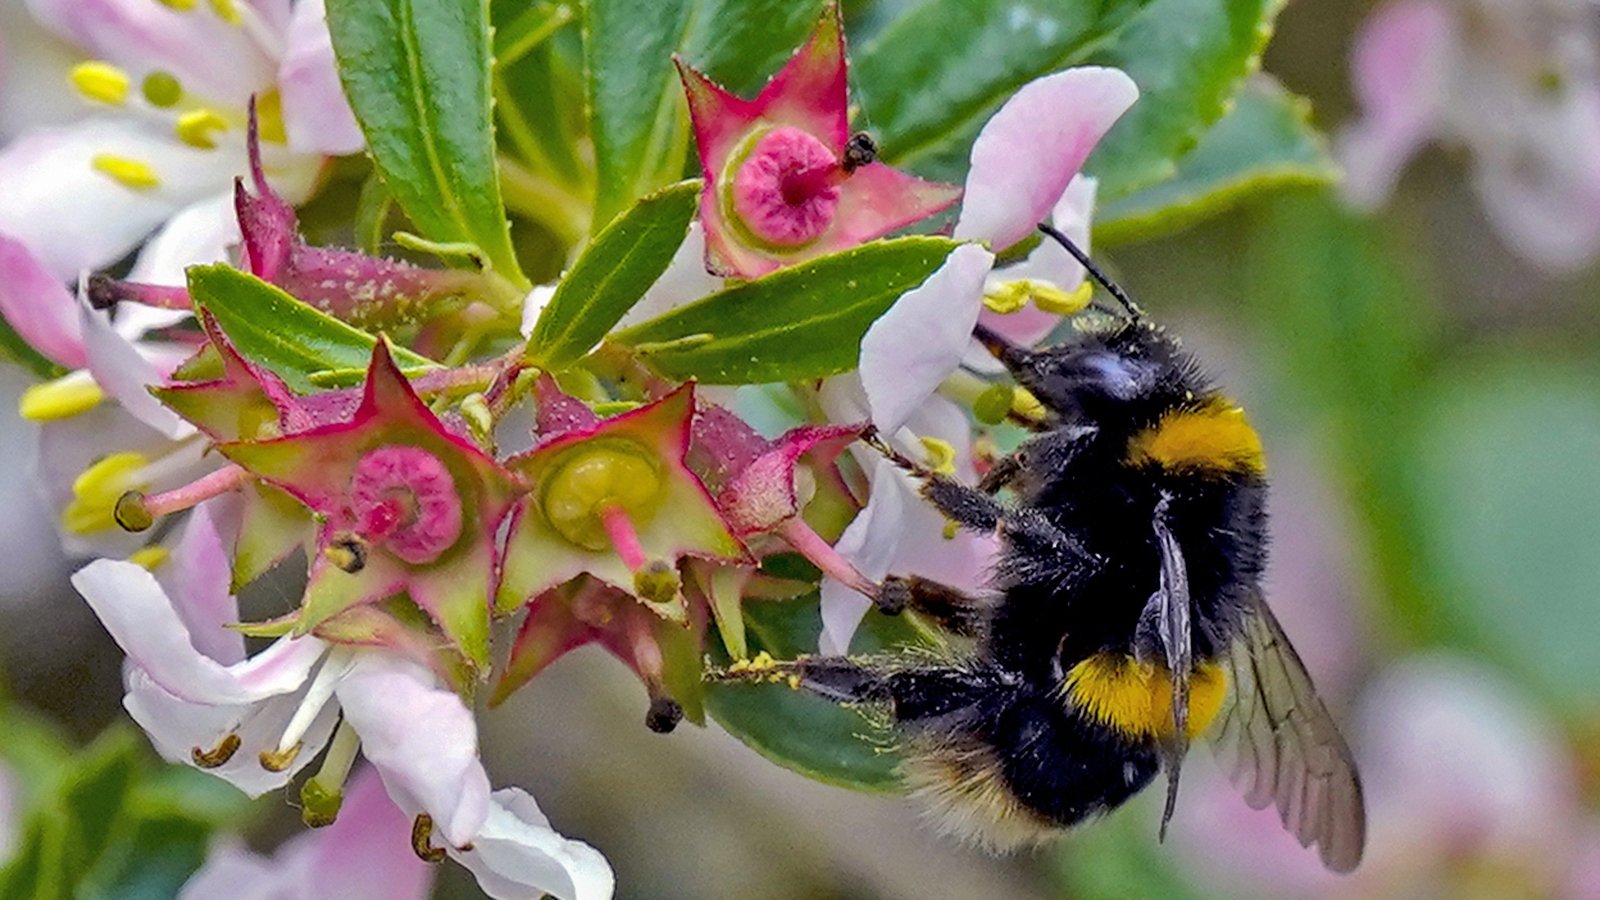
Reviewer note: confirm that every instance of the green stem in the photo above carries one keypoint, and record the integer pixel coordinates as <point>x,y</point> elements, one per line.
<point>528,194</point>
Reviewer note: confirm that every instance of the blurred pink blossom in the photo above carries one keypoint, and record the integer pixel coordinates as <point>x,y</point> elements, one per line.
<point>1515,82</point>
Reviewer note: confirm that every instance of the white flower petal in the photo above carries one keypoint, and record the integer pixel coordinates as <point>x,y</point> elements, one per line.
<point>920,340</point>
<point>1033,146</point>
<point>423,740</point>
<point>198,578</point>
<point>201,232</point>
<point>176,727</point>
<point>517,856</point>
<point>74,217</point>
<point>365,854</point>
<point>133,607</point>
<point>316,115</point>
<point>38,308</point>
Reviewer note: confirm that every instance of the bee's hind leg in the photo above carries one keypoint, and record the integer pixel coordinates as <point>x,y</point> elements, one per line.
<point>956,611</point>
<point>966,506</point>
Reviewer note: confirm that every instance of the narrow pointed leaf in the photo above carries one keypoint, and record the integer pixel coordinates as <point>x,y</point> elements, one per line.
<point>418,77</point>
<point>802,322</point>
<point>279,332</point>
<point>614,271</point>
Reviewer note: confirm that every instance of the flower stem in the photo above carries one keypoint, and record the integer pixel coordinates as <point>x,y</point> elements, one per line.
<point>825,557</point>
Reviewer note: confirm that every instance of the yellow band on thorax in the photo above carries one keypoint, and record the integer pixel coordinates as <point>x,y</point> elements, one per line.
<point>1214,438</point>
<point>1135,698</point>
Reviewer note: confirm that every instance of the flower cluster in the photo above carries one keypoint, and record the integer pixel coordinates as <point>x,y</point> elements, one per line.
<point>441,511</point>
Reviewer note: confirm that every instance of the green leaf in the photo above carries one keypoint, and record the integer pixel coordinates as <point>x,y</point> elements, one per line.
<point>1188,57</point>
<point>930,79</point>
<point>418,78</point>
<point>810,735</point>
<point>1509,460</point>
<point>611,275</point>
<point>637,112</point>
<point>279,332</point>
<point>1265,141</point>
<point>805,321</point>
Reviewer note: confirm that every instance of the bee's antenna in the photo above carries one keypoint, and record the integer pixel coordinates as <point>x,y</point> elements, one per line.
<point>1094,270</point>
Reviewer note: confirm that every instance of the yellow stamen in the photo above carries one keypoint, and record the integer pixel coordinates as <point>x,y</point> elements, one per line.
<point>226,11</point>
<point>1026,405</point>
<point>151,557</point>
<point>1063,303</point>
<point>162,89</point>
<point>101,81</point>
<point>179,5</point>
<point>62,398</point>
<point>269,117</point>
<point>96,491</point>
<point>941,455</point>
<point>198,128</point>
<point>130,173</point>
<point>1006,297</point>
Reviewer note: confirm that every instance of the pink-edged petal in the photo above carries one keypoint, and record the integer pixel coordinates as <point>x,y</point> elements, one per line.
<point>920,340</point>
<point>517,855</point>
<point>365,854</point>
<point>1400,67</point>
<point>1029,150</point>
<point>218,61</point>
<point>198,578</point>
<point>202,232</point>
<point>133,607</point>
<point>685,280</point>
<point>316,115</point>
<point>37,306</point>
<point>176,727</point>
<point>1544,209</point>
<point>125,370</point>
<point>810,91</point>
<point>1049,262</point>
<point>878,199</point>
<point>423,740</point>
<point>74,217</point>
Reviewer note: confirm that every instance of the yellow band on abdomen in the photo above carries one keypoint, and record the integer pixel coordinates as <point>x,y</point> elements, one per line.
<point>1135,699</point>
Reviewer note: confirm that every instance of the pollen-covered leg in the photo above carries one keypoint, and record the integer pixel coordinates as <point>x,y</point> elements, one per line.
<point>837,678</point>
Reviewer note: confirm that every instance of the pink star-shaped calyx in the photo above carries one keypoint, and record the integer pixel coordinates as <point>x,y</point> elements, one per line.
<point>612,498</point>
<point>784,179</point>
<point>405,505</point>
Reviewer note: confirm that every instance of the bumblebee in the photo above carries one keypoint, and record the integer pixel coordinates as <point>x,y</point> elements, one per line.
<point>1126,620</point>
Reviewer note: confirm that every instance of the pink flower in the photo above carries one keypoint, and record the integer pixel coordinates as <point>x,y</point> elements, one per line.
<point>1024,165</point>
<point>1517,84</point>
<point>782,183</point>
<point>155,134</point>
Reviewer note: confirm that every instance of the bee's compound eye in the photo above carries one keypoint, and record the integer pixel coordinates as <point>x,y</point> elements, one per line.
<point>1120,376</point>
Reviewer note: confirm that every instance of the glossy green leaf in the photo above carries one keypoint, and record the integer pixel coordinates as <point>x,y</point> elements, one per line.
<point>613,272</point>
<point>418,78</point>
<point>1188,57</point>
<point>928,80</point>
<point>810,735</point>
<point>805,321</point>
<point>279,332</point>
<point>638,118</point>
<point>1264,142</point>
<point>1509,460</point>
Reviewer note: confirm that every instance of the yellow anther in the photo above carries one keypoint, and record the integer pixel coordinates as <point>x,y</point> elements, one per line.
<point>150,557</point>
<point>129,173</point>
<point>951,529</point>
<point>226,11</point>
<point>96,491</point>
<point>62,398</point>
<point>1063,303</point>
<point>941,455</point>
<point>162,89</point>
<point>101,81</point>
<point>179,5</point>
<point>594,477</point>
<point>1026,405</point>
<point>269,117</point>
<point>1006,297</point>
<point>199,127</point>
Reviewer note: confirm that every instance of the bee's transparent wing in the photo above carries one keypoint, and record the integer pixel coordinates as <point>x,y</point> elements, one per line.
<point>1282,747</point>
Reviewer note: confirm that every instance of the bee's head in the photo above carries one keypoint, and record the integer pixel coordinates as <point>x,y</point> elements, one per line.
<point>1129,370</point>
